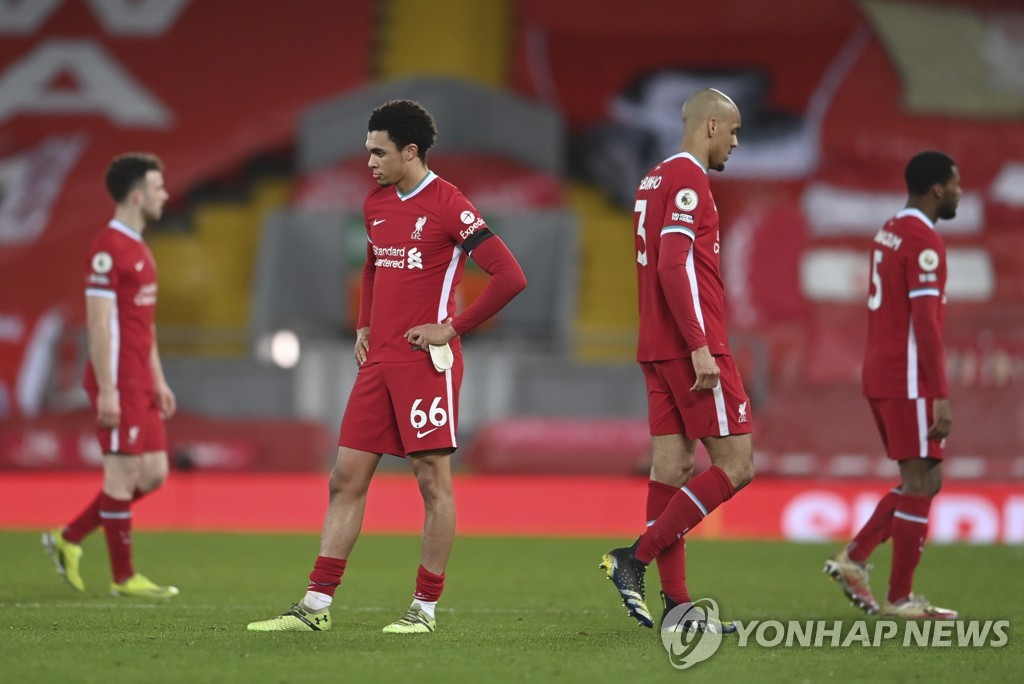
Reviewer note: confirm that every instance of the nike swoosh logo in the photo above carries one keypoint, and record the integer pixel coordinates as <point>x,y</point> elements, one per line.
<point>421,435</point>
<point>376,221</point>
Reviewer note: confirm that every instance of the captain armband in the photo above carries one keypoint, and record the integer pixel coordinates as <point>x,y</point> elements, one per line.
<point>474,240</point>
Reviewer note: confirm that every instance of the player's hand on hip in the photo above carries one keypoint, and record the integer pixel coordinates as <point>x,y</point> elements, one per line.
<point>421,336</point>
<point>362,345</point>
<point>108,408</point>
<point>705,368</point>
<point>167,401</point>
<point>942,417</point>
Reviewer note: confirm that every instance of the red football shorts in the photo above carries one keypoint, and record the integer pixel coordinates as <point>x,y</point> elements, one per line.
<point>141,430</point>
<point>402,408</point>
<point>903,424</point>
<point>672,409</point>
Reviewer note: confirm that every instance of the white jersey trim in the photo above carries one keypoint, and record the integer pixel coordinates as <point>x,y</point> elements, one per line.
<point>451,406</point>
<point>723,417</point>
<point>912,518</point>
<point>911,362</point>
<point>687,155</point>
<point>442,314</point>
<point>446,287</point>
<point>427,180</point>
<point>916,213</point>
<point>123,228</point>
<point>691,275</point>
<point>922,427</point>
<point>679,229</point>
<point>115,342</point>
<point>926,292</point>
<point>697,502</point>
<point>95,292</point>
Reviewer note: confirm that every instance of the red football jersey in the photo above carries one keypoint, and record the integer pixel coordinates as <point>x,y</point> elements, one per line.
<point>674,202</point>
<point>906,311</point>
<point>416,256</point>
<point>121,267</point>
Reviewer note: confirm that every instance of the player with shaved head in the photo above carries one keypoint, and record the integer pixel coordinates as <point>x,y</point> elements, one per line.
<point>694,391</point>
<point>702,108</point>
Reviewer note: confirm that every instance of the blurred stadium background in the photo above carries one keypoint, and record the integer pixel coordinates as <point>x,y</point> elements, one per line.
<point>548,112</point>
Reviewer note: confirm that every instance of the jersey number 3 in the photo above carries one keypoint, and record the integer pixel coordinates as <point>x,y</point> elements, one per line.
<point>875,296</point>
<point>641,232</point>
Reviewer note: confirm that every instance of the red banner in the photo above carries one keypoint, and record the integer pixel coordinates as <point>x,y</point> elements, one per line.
<point>67,442</point>
<point>770,509</point>
<point>204,85</point>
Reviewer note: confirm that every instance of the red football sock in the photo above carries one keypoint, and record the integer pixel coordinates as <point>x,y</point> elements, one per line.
<point>909,529</point>
<point>876,530</point>
<point>87,521</point>
<point>116,518</point>
<point>688,506</point>
<point>428,585</point>
<point>326,575</point>
<point>672,560</point>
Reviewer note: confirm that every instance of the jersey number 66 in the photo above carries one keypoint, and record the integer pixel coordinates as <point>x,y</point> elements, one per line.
<point>437,415</point>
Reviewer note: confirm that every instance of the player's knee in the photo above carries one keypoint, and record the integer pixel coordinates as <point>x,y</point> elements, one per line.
<point>333,485</point>
<point>675,475</point>
<point>149,472</point>
<point>741,474</point>
<point>152,482</point>
<point>344,481</point>
<point>338,482</point>
<point>926,489</point>
<point>435,491</point>
<point>747,474</point>
<point>434,488</point>
<point>923,482</point>
<point>738,467</point>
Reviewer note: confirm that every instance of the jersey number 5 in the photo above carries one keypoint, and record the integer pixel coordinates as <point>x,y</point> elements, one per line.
<point>641,208</point>
<point>875,296</point>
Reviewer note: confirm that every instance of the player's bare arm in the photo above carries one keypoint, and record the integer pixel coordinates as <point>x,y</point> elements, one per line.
<point>165,397</point>
<point>942,415</point>
<point>420,336</point>
<point>706,369</point>
<point>98,311</point>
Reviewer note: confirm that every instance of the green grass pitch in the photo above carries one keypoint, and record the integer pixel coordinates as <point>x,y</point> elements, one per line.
<point>515,610</point>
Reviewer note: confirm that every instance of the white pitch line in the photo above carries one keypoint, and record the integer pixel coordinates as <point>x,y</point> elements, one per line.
<point>253,607</point>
